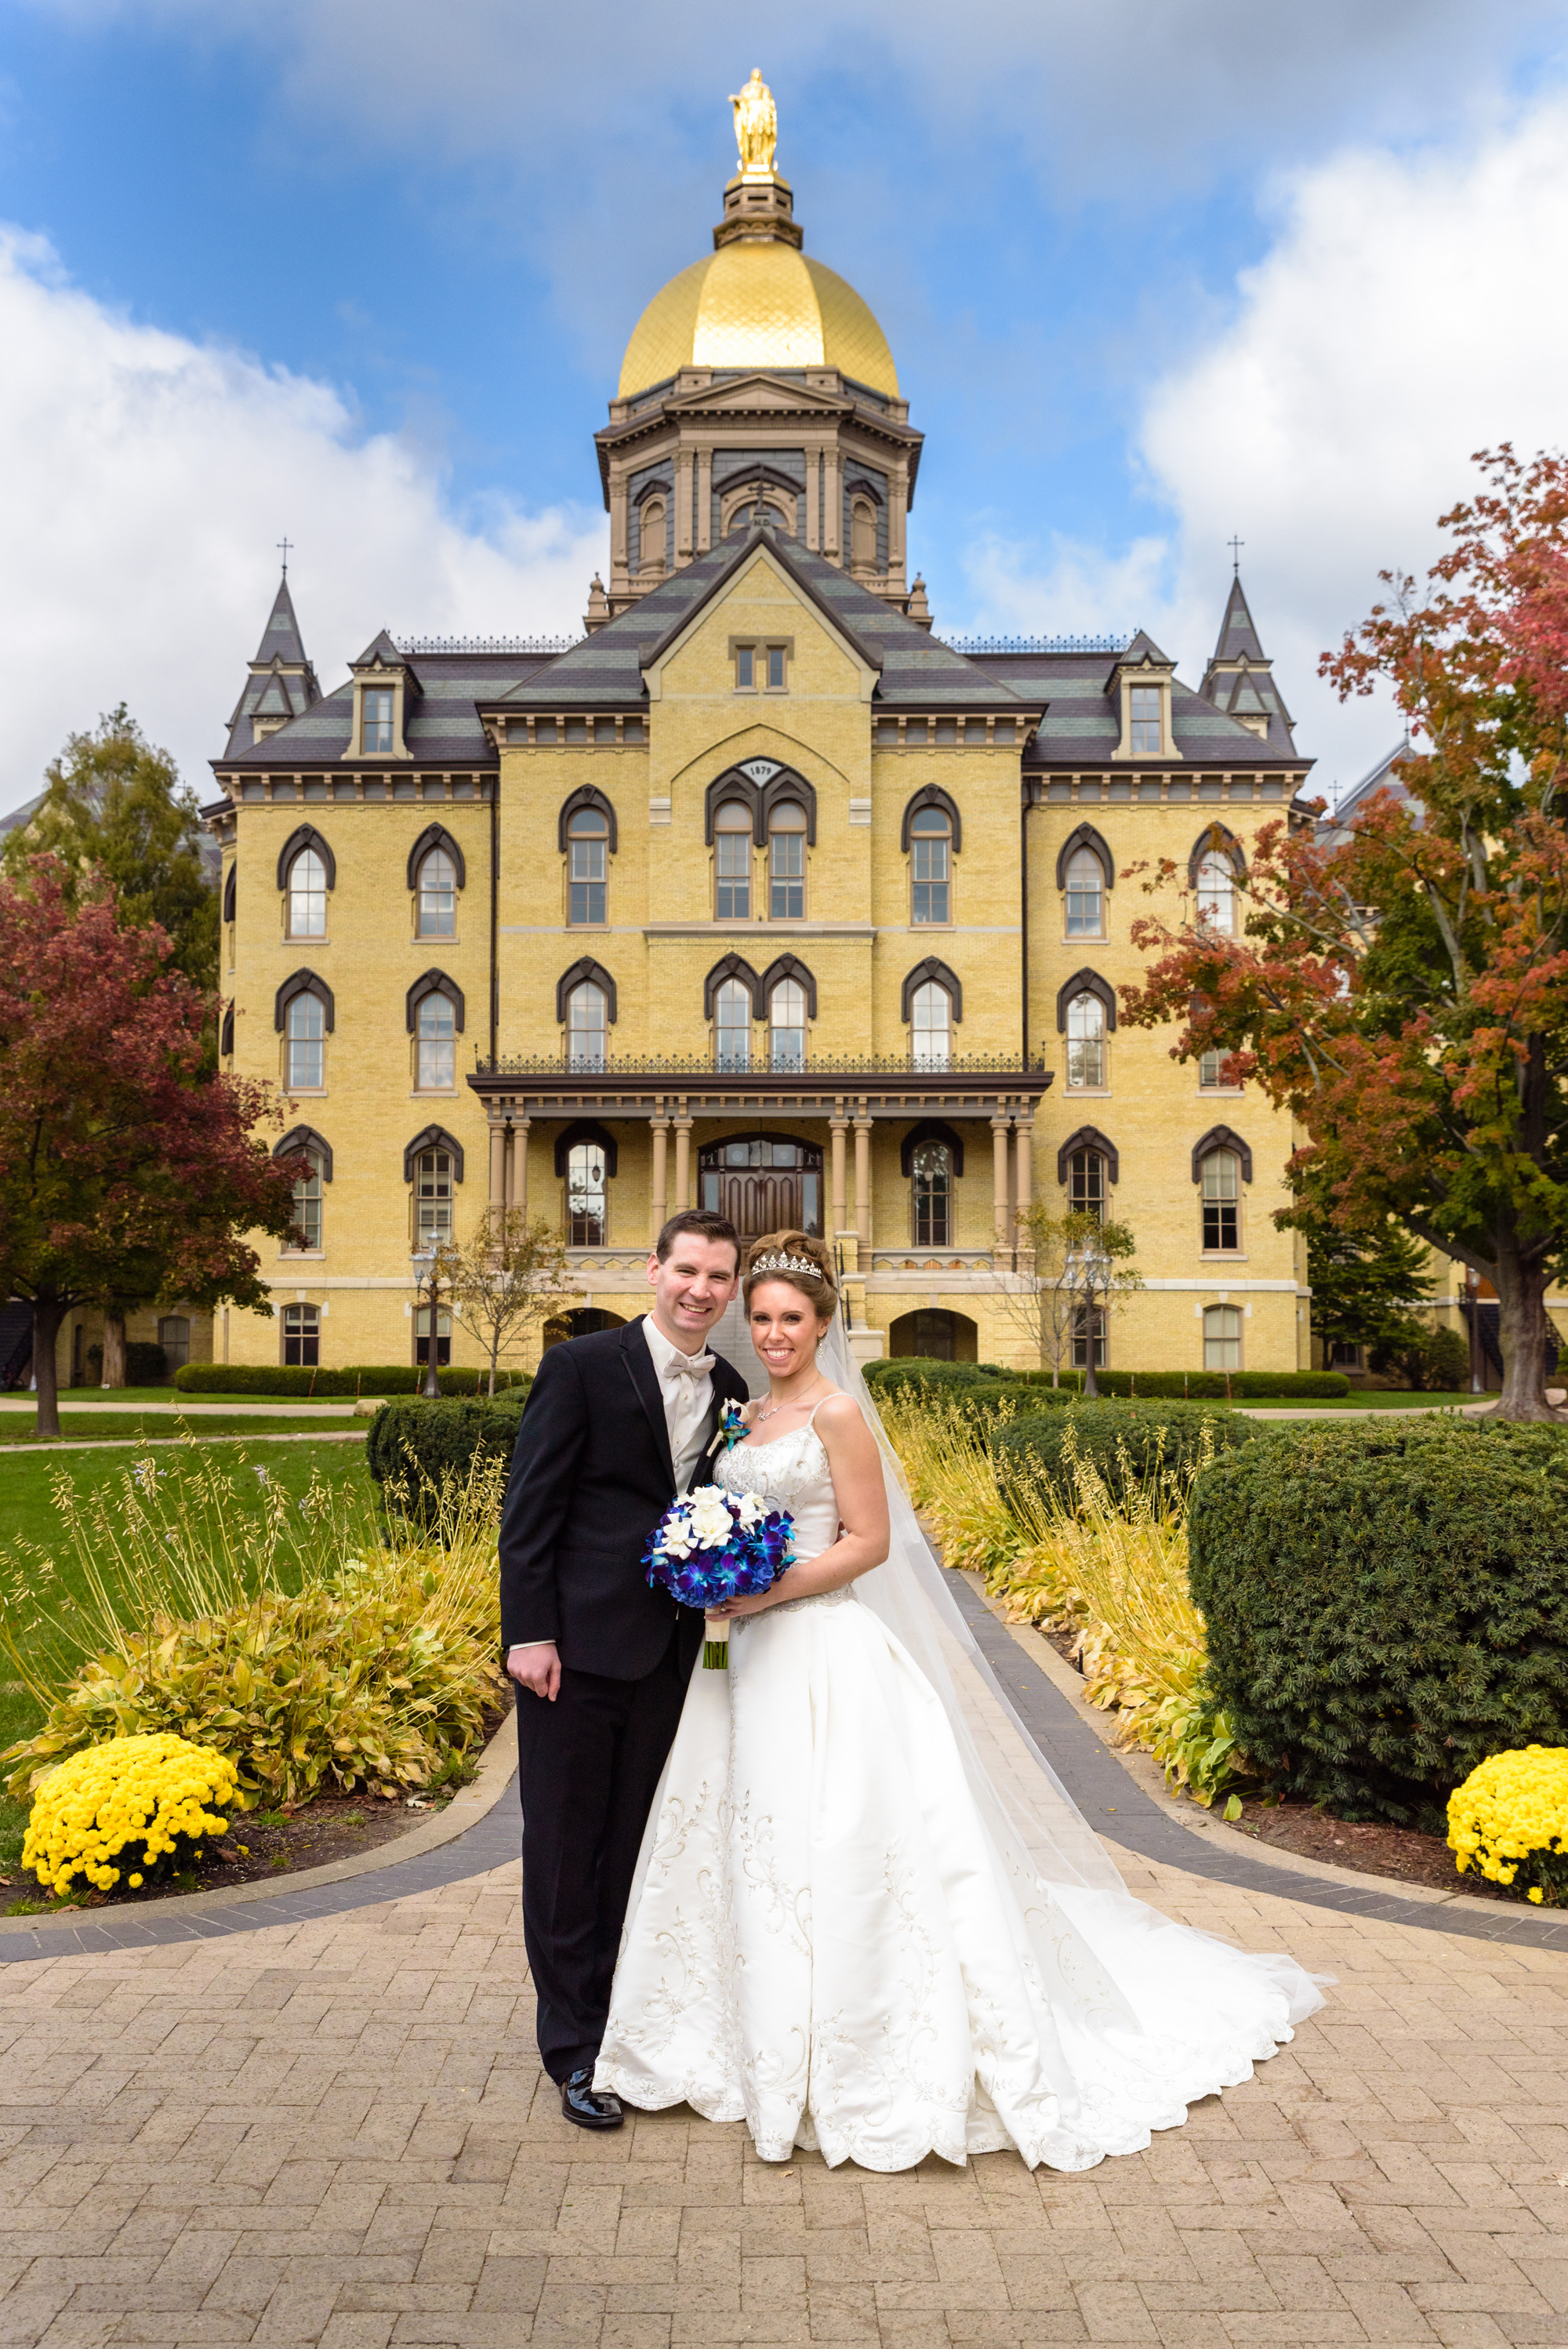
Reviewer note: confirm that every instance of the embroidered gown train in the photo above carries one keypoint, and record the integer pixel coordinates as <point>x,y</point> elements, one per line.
<point>824,1940</point>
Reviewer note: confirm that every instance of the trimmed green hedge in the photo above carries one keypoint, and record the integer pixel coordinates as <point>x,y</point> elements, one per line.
<point>1387,1604</point>
<point>1195,1386</point>
<point>1169,1436</point>
<point>418,1440</point>
<point>270,1378</point>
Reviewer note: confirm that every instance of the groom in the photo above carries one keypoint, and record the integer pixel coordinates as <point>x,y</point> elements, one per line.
<point>615,1426</point>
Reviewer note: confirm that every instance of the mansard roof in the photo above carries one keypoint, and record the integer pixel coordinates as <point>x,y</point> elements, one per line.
<point>442,727</point>
<point>915,669</point>
<point>1081,725</point>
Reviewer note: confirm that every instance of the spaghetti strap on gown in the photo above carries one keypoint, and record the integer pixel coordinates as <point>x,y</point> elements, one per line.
<point>824,1942</point>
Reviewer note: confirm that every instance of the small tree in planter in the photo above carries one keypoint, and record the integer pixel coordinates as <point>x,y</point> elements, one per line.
<point>510,1274</point>
<point>1071,1268</point>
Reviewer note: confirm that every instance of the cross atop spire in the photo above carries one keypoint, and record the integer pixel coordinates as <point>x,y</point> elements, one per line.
<point>1235,545</point>
<point>285,543</point>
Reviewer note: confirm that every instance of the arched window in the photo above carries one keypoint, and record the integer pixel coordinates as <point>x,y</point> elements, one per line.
<point>1086,1184</point>
<point>302,1337</point>
<point>306,1232</point>
<point>786,863</point>
<point>304,1046</point>
<point>437,913</point>
<point>732,863</point>
<point>931,865</point>
<point>1084,895</point>
<point>1085,1041</point>
<point>587,841</point>
<point>651,535</point>
<point>1217,891</point>
<point>432,1199</point>
<point>863,534</point>
<point>587,1019</point>
<point>435,1049</point>
<point>931,1026</point>
<point>732,1025</point>
<point>786,1025</point>
<point>1221,1337</point>
<point>1220,1189</point>
<point>307,896</point>
<point>931,1179</point>
<point>586,1196</point>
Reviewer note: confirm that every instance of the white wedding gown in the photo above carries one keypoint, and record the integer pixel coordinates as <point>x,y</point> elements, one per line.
<point>825,1940</point>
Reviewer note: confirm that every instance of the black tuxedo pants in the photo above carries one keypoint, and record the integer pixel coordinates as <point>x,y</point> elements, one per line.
<point>588,1766</point>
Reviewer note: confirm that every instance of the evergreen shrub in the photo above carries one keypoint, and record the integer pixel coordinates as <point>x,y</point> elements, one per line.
<point>1179,1386</point>
<point>396,1378</point>
<point>1387,1604</point>
<point>420,1442</point>
<point>923,1371</point>
<point>1126,1442</point>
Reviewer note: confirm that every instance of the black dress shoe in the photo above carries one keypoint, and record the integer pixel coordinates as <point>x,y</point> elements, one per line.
<point>589,2106</point>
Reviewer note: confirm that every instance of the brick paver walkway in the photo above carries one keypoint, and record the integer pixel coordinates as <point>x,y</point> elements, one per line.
<point>338,2132</point>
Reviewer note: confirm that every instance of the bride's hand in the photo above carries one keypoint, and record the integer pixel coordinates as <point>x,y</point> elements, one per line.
<point>753,1605</point>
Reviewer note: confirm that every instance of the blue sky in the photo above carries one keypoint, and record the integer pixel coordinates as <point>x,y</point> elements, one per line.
<point>1151,274</point>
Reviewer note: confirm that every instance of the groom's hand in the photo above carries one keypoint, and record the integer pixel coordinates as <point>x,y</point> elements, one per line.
<point>537,1669</point>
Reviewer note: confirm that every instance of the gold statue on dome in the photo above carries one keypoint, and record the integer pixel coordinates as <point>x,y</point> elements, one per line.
<point>756,127</point>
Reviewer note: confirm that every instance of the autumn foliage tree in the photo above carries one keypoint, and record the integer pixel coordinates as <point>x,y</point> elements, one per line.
<point>1402,986</point>
<point>126,1167</point>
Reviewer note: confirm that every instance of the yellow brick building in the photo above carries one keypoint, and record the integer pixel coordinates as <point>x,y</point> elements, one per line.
<point>760,895</point>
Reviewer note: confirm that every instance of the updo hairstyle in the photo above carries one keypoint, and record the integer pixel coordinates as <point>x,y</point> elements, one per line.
<point>817,1285</point>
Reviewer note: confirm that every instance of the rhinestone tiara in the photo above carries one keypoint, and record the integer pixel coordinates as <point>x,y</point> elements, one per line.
<point>785,1264</point>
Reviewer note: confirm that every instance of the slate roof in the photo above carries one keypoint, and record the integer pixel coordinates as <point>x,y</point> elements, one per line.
<point>1237,633</point>
<point>1335,827</point>
<point>443,725</point>
<point>1081,726</point>
<point>917,672</point>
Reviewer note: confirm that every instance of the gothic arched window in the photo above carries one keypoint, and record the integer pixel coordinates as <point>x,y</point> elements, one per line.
<point>586,1196</point>
<point>435,1049</point>
<point>587,1017</point>
<point>306,915</point>
<point>931,1182</point>
<point>732,863</point>
<point>435,915</point>
<point>1084,895</point>
<point>732,1025</point>
<point>651,535</point>
<point>1220,1187</point>
<point>931,865</point>
<point>304,1045</point>
<point>1217,891</point>
<point>1085,1041</point>
<point>786,1025</point>
<point>931,1025</point>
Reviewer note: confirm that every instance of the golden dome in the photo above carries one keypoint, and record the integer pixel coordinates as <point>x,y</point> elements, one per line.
<point>756,304</point>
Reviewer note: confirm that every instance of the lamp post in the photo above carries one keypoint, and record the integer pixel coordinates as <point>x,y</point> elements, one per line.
<point>1088,1269</point>
<point>426,1278</point>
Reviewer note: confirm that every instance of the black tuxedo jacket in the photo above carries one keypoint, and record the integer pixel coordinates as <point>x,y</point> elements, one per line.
<point>591,1478</point>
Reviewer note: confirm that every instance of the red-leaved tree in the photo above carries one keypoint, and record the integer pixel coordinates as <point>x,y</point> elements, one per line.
<point>126,1167</point>
<point>1404,991</point>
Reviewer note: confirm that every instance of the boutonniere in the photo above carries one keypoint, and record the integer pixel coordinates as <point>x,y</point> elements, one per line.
<point>732,1426</point>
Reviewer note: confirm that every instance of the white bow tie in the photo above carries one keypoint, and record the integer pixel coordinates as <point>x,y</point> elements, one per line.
<point>690,1366</point>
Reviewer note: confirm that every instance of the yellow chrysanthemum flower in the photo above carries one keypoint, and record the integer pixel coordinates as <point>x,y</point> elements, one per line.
<point>130,1799</point>
<point>1512,1810</point>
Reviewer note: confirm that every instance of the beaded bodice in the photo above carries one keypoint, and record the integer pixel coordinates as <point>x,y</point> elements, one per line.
<point>792,1472</point>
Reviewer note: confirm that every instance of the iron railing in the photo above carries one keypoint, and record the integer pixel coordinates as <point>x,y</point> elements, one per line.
<point>707,1066</point>
<point>487,644</point>
<point>1036,644</point>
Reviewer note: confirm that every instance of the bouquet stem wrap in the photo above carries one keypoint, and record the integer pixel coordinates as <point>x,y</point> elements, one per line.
<point>712,1546</point>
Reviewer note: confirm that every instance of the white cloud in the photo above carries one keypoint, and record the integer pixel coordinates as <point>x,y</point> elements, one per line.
<point>1406,315</point>
<point>146,480</point>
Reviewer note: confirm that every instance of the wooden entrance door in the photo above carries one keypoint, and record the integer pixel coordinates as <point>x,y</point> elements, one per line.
<point>764,1184</point>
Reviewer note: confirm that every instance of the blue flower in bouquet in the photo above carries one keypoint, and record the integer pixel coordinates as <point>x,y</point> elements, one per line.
<point>712,1546</point>
<point>732,1424</point>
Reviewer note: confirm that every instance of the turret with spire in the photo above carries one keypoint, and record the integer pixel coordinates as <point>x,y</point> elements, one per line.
<point>281,683</point>
<point>1239,679</point>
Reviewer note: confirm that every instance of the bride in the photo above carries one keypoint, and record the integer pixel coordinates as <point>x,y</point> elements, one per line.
<point>867,1920</point>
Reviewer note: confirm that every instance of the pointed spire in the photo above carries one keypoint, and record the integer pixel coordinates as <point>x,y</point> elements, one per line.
<point>281,683</point>
<point>1239,679</point>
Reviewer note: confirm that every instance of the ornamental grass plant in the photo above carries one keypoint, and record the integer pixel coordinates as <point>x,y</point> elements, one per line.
<point>1102,1559</point>
<point>317,1649</point>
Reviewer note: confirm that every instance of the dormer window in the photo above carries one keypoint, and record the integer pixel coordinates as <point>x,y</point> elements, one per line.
<point>376,720</point>
<point>1144,715</point>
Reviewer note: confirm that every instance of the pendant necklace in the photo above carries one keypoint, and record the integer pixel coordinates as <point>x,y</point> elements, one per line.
<point>773,1410</point>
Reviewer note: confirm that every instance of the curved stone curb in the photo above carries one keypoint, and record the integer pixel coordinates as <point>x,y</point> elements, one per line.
<point>1124,1813</point>
<point>476,1831</point>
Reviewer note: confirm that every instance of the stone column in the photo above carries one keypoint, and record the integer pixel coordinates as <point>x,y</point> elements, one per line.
<point>496,1163</point>
<point>683,1160</point>
<point>1024,1185</point>
<point>704,499</point>
<point>999,1124</point>
<point>863,1184</point>
<point>684,466</point>
<point>659,1126</point>
<point>833,502</point>
<point>520,1164</point>
<point>813,499</point>
<point>838,1126</point>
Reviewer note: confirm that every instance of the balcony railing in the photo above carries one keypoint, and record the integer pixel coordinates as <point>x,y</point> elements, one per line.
<point>710,1064</point>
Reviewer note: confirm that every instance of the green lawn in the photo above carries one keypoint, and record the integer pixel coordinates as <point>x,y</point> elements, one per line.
<point>1395,1401</point>
<point>130,1427</point>
<point>28,1512</point>
<point>94,1398</point>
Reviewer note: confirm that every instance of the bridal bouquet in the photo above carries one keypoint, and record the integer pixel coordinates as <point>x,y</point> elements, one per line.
<point>711,1545</point>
